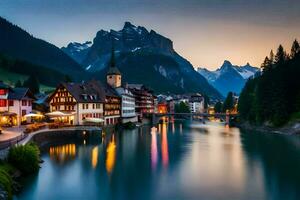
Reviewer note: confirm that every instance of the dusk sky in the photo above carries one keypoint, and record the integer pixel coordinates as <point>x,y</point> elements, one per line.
<point>206,32</point>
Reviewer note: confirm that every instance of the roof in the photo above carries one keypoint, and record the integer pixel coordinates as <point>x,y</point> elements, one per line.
<point>135,86</point>
<point>123,91</point>
<point>110,91</point>
<point>20,93</point>
<point>3,85</point>
<point>88,92</point>
<point>113,71</point>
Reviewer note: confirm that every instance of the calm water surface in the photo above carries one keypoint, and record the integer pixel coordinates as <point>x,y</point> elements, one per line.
<point>177,161</point>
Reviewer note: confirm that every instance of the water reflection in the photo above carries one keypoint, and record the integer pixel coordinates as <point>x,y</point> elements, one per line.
<point>154,152</point>
<point>208,161</point>
<point>95,156</point>
<point>111,155</point>
<point>164,145</point>
<point>63,153</point>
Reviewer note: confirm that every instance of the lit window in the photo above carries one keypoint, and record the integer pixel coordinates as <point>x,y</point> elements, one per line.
<point>3,103</point>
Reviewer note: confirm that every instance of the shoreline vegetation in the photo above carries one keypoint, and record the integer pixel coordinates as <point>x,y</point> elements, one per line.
<point>21,161</point>
<point>272,97</point>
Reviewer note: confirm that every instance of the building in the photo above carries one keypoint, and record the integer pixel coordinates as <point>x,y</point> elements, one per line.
<point>162,107</point>
<point>128,105</point>
<point>144,99</point>
<point>79,103</point>
<point>15,103</point>
<point>196,103</point>
<point>112,106</point>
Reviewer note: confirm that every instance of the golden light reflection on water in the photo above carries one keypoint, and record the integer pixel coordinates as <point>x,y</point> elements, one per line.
<point>110,155</point>
<point>95,152</point>
<point>63,153</point>
<point>164,145</point>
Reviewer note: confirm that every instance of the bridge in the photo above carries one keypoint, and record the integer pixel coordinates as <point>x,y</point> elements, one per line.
<point>155,117</point>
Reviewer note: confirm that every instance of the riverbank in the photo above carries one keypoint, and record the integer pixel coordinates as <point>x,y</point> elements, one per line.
<point>292,128</point>
<point>12,172</point>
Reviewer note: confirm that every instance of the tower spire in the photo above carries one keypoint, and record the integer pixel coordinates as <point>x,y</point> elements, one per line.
<point>112,57</point>
<point>113,75</point>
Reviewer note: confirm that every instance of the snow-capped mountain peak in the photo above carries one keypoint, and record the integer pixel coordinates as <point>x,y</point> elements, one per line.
<point>229,77</point>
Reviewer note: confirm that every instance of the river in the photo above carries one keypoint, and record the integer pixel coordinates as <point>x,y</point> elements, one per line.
<point>176,161</point>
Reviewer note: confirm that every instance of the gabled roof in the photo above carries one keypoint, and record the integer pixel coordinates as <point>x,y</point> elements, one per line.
<point>88,92</point>
<point>20,93</point>
<point>3,85</point>
<point>113,71</point>
<point>110,91</point>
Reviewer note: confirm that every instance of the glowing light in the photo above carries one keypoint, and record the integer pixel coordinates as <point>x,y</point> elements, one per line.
<point>164,146</point>
<point>63,153</point>
<point>153,148</point>
<point>95,156</point>
<point>110,155</point>
<point>173,127</point>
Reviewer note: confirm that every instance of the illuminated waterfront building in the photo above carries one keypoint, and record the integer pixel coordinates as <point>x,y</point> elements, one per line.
<point>15,103</point>
<point>80,102</point>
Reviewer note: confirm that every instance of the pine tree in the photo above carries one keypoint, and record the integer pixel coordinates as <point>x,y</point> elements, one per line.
<point>280,56</point>
<point>295,49</point>
<point>33,84</point>
<point>266,64</point>
<point>218,107</point>
<point>271,58</point>
<point>228,103</point>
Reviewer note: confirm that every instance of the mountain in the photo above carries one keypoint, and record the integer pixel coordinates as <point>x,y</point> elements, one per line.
<point>143,57</point>
<point>77,50</point>
<point>18,44</point>
<point>229,77</point>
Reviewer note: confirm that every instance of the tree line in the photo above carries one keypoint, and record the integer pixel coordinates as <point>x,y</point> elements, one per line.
<point>228,104</point>
<point>273,96</point>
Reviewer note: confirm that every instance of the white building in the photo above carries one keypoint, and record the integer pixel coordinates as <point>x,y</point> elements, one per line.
<point>196,103</point>
<point>80,103</point>
<point>15,103</point>
<point>127,106</point>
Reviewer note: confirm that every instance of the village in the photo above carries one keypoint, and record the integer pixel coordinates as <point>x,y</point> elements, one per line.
<point>89,103</point>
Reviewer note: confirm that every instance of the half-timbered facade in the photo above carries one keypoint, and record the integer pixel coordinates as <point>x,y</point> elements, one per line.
<point>80,102</point>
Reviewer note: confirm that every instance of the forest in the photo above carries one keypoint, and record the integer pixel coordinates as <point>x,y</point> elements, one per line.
<point>273,96</point>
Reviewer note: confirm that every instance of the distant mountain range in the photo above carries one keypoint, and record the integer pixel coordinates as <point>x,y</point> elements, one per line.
<point>143,57</point>
<point>229,77</point>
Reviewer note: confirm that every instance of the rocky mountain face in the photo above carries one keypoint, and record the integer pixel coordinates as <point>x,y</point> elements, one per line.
<point>77,50</point>
<point>229,77</point>
<point>18,44</point>
<point>143,57</point>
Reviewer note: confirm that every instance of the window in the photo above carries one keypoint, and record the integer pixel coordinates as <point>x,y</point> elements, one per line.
<point>2,92</point>
<point>23,112</point>
<point>29,103</point>
<point>11,103</point>
<point>24,103</point>
<point>3,103</point>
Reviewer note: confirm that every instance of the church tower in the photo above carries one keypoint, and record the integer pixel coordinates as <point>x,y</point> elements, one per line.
<point>113,76</point>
